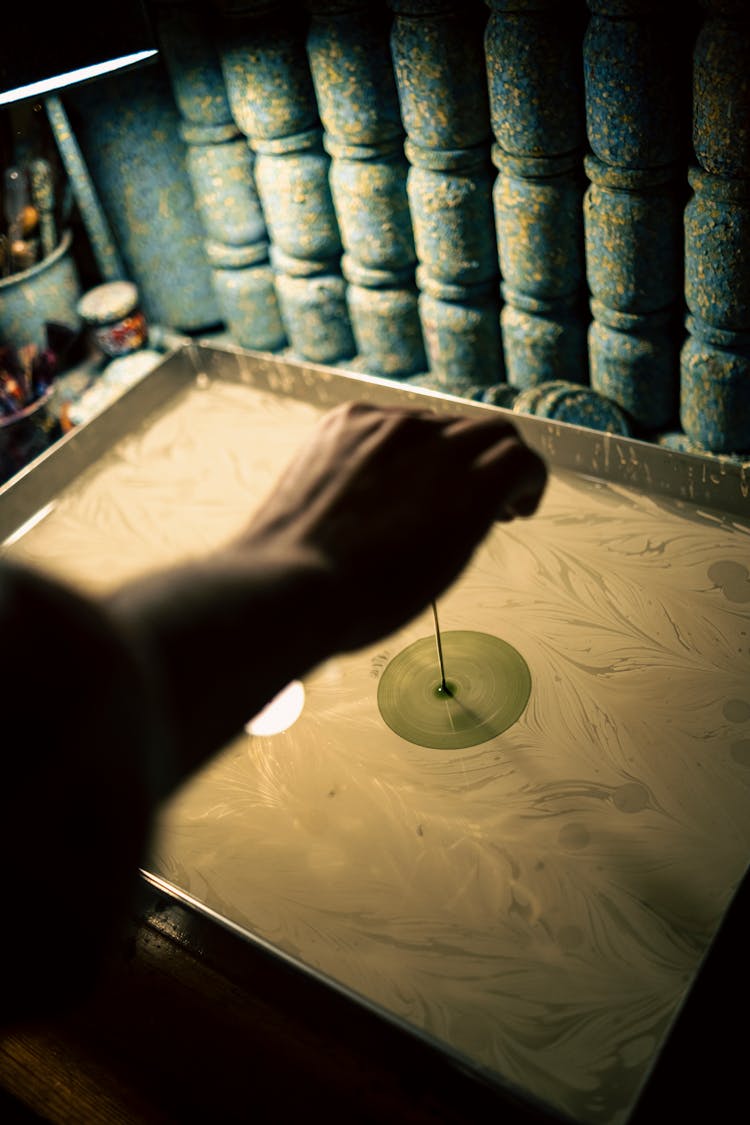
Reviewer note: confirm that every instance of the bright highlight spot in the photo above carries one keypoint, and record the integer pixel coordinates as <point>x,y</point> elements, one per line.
<point>72,77</point>
<point>278,715</point>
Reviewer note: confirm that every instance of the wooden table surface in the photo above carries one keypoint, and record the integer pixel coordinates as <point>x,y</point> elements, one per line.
<point>172,1037</point>
<point>186,1028</point>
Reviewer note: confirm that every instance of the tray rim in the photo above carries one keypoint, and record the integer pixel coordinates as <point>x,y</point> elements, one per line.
<point>682,481</point>
<point>721,486</point>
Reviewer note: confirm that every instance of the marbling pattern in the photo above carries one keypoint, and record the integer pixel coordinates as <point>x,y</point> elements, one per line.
<point>538,904</point>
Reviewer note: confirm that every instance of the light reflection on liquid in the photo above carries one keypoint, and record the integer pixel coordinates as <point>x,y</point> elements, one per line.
<point>278,715</point>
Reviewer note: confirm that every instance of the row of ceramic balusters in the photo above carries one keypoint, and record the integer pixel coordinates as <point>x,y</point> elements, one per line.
<point>499,200</point>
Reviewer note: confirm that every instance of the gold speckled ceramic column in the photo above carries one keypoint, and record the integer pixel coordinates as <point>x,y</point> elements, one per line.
<point>533,56</point>
<point>273,102</point>
<point>438,57</point>
<point>715,358</point>
<point>348,47</point>
<point>127,125</point>
<point>637,119</point>
<point>220,164</point>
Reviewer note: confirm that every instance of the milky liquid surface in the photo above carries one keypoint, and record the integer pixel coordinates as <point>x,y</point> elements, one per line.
<point>540,902</point>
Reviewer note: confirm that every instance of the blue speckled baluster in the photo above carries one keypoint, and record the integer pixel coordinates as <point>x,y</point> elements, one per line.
<point>533,51</point>
<point>438,61</point>
<point>460,325</point>
<point>633,226</point>
<point>385,317</point>
<point>272,98</point>
<point>451,205</point>
<point>369,190</point>
<point>637,109</point>
<point>541,337</point>
<point>348,45</point>
<point>533,60</point>
<point>438,58</point>
<point>714,368</point>
<point>540,248</point>
<point>715,401</point>
<point>633,79</point>
<point>127,125</point>
<point>220,164</point>
<point>292,177</point>
<point>634,231</point>
<point>721,91</point>
<point>717,250</point>
<point>312,294</point>
<point>46,292</point>
<point>715,358</point>
<point>101,239</point>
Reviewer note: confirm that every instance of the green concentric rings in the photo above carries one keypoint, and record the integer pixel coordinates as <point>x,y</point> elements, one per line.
<point>488,681</point>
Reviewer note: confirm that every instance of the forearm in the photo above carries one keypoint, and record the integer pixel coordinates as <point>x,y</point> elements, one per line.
<point>221,638</point>
<point>82,766</point>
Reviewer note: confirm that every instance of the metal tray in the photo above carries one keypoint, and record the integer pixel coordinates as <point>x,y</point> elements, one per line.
<point>537,908</point>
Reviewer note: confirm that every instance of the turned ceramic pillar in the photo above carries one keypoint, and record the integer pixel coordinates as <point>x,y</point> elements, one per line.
<point>633,239</point>
<point>348,46</point>
<point>272,98</point>
<point>128,129</point>
<point>438,60</point>
<point>221,168</point>
<point>715,358</point>
<point>636,115</point>
<point>533,60</point>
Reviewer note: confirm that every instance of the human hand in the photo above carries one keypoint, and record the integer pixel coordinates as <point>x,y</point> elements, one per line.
<point>391,504</point>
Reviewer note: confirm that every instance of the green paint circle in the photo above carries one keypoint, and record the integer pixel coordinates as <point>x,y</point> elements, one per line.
<point>488,680</point>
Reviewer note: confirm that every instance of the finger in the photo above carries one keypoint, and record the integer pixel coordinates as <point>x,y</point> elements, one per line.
<point>361,425</point>
<point>368,413</point>
<point>458,426</point>
<point>518,476</point>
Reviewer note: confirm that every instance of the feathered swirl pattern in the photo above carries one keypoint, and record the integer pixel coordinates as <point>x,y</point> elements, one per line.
<point>538,903</point>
